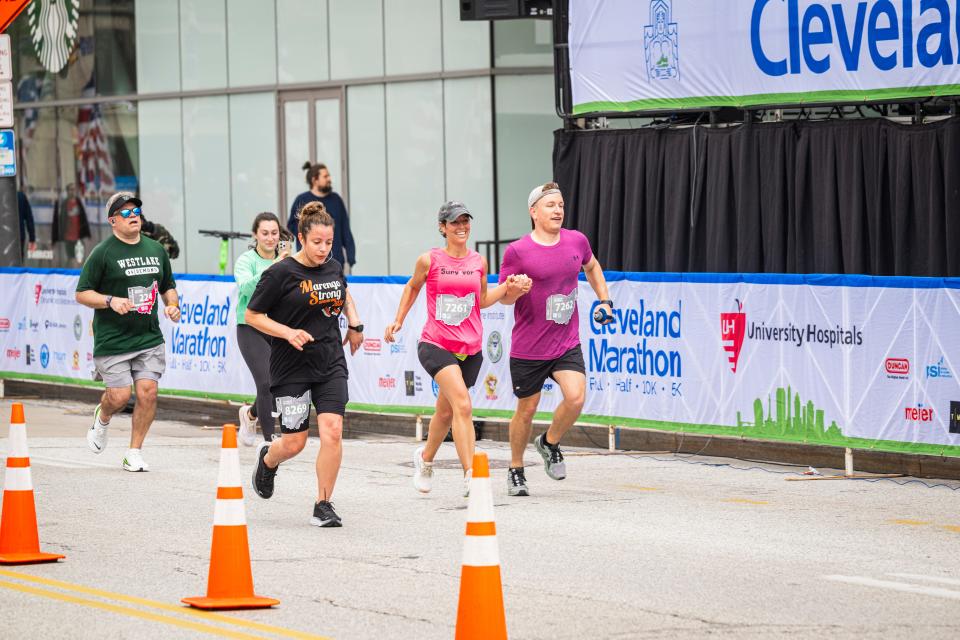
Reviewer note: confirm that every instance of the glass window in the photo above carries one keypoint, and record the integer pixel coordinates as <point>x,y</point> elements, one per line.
<point>100,60</point>
<point>412,36</point>
<point>523,43</point>
<point>253,158</point>
<point>158,46</point>
<point>252,42</point>
<point>329,151</point>
<point>206,182</point>
<point>296,149</point>
<point>203,44</point>
<point>469,150</point>
<point>161,167</point>
<point>466,43</point>
<point>368,178</point>
<point>525,124</point>
<point>415,170</point>
<point>302,54</point>
<point>356,38</point>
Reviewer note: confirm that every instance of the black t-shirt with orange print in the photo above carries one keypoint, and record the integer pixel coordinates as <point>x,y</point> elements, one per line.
<point>310,299</point>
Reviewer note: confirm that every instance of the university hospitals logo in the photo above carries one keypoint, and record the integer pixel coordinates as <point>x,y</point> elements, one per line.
<point>53,29</point>
<point>733,326</point>
<point>661,43</point>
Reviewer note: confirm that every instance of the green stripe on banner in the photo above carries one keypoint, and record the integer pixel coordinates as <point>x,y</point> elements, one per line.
<point>598,420</point>
<point>796,98</point>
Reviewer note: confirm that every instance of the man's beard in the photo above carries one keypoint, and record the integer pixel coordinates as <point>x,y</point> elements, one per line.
<point>327,189</point>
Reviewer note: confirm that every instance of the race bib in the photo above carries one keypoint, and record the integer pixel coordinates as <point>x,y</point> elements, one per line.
<point>452,310</point>
<point>560,307</point>
<point>293,411</point>
<point>143,298</point>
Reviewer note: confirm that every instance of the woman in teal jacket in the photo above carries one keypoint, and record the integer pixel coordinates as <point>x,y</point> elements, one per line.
<point>267,249</point>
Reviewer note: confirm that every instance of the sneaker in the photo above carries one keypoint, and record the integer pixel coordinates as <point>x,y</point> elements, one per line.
<point>133,461</point>
<point>247,434</point>
<point>516,482</point>
<point>325,516</point>
<point>467,477</point>
<point>262,474</point>
<point>552,458</point>
<point>422,472</point>
<point>97,434</point>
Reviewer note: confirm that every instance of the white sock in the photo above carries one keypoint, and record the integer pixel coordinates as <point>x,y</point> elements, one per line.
<point>102,423</point>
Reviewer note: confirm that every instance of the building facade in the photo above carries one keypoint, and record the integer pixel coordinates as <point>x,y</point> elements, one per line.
<point>209,108</point>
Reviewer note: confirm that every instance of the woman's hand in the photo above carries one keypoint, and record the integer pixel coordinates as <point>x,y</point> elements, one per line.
<point>355,338</point>
<point>388,334</point>
<point>297,338</point>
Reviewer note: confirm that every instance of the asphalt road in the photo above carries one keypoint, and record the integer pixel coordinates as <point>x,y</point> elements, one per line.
<point>628,546</point>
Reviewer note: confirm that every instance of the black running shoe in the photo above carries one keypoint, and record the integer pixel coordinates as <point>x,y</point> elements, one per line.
<point>516,482</point>
<point>324,515</point>
<point>263,475</point>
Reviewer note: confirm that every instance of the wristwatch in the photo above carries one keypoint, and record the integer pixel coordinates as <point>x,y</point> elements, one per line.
<point>358,328</point>
<point>108,300</point>
<point>609,302</point>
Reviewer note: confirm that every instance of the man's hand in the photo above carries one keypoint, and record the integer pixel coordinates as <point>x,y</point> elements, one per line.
<point>121,305</point>
<point>31,246</point>
<point>607,314</point>
<point>388,334</point>
<point>172,312</point>
<point>298,337</point>
<point>355,338</point>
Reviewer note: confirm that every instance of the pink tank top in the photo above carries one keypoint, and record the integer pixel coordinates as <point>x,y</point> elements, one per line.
<point>453,302</point>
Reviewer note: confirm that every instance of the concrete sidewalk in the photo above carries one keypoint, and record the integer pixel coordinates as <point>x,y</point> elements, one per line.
<point>629,546</point>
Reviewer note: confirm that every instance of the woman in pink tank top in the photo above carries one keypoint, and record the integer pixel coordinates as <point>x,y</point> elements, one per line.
<point>450,344</point>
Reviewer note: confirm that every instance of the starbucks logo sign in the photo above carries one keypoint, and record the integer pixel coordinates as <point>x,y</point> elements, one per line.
<point>53,29</point>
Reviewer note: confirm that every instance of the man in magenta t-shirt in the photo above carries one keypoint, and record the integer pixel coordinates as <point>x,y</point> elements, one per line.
<point>546,331</point>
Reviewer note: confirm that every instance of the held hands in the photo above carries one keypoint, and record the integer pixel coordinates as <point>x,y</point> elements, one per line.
<point>355,338</point>
<point>121,305</point>
<point>388,334</point>
<point>518,285</point>
<point>297,338</point>
<point>172,312</point>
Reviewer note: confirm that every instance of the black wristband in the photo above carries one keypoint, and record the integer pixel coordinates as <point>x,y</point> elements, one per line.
<point>609,302</point>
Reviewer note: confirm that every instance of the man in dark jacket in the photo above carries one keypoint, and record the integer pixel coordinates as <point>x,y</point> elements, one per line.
<point>321,190</point>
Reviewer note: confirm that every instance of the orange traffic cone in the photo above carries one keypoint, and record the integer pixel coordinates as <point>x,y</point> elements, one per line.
<point>19,538</point>
<point>230,582</point>
<point>480,611</point>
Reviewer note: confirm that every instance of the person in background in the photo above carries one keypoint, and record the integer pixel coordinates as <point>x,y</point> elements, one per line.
<point>268,248</point>
<point>321,190</point>
<point>158,232</point>
<point>28,231</point>
<point>70,224</point>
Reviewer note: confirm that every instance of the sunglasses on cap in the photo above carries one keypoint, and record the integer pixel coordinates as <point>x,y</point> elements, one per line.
<point>126,213</point>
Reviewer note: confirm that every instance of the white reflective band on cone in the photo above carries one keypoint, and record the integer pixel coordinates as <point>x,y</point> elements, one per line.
<point>480,507</point>
<point>18,441</point>
<point>229,475</point>
<point>229,513</point>
<point>481,551</point>
<point>17,479</point>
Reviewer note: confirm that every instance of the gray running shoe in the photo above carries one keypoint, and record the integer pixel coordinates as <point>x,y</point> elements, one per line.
<point>516,482</point>
<point>552,458</point>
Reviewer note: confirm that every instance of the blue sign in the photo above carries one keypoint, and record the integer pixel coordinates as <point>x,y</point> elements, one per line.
<point>8,153</point>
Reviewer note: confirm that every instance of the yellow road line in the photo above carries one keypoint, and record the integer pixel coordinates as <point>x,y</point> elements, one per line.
<point>952,527</point>
<point>745,501</point>
<point>637,487</point>
<point>910,523</point>
<point>182,609</point>
<point>115,608</point>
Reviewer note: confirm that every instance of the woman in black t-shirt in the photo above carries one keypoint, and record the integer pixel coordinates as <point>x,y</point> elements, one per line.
<point>298,301</point>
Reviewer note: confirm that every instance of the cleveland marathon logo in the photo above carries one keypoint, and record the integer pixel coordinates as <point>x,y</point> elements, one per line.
<point>661,43</point>
<point>732,330</point>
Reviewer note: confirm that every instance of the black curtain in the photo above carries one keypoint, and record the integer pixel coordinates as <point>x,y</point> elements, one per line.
<point>842,196</point>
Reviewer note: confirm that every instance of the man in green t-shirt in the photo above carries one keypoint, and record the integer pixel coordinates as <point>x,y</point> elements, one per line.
<point>122,280</point>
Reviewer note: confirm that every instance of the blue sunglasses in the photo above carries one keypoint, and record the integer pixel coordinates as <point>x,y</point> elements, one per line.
<point>126,213</point>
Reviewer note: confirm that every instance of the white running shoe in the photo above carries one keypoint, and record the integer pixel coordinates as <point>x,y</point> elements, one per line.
<point>422,472</point>
<point>97,433</point>
<point>133,461</point>
<point>467,477</point>
<point>248,427</point>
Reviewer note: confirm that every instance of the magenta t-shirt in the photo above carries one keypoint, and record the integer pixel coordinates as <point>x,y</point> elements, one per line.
<point>546,324</point>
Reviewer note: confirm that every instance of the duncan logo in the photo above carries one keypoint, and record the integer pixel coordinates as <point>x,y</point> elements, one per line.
<point>4,324</point>
<point>372,346</point>
<point>897,368</point>
<point>733,326</point>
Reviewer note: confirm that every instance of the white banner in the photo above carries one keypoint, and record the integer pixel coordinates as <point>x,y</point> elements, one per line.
<point>631,55</point>
<point>846,360</point>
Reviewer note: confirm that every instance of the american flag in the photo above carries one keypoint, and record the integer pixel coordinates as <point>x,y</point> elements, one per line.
<point>94,165</point>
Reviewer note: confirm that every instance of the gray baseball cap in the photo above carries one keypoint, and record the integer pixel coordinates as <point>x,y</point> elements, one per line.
<point>543,190</point>
<point>452,210</point>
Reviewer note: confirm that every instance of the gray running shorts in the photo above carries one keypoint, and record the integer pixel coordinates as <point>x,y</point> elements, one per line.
<point>122,369</point>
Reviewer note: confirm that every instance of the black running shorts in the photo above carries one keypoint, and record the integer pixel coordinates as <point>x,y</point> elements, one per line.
<point>293,400</point>
<point>528,376</point>
<point>433,359</point>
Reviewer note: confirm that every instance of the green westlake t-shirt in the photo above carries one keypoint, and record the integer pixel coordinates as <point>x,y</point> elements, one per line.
<point>140,272</point>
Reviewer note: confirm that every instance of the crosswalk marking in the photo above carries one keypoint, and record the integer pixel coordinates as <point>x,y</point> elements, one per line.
<point>897,586</point>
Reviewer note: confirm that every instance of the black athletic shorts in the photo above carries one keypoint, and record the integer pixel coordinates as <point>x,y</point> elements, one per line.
<point>528,376</point>
<point>293,400</point>
<point>433,359</point>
